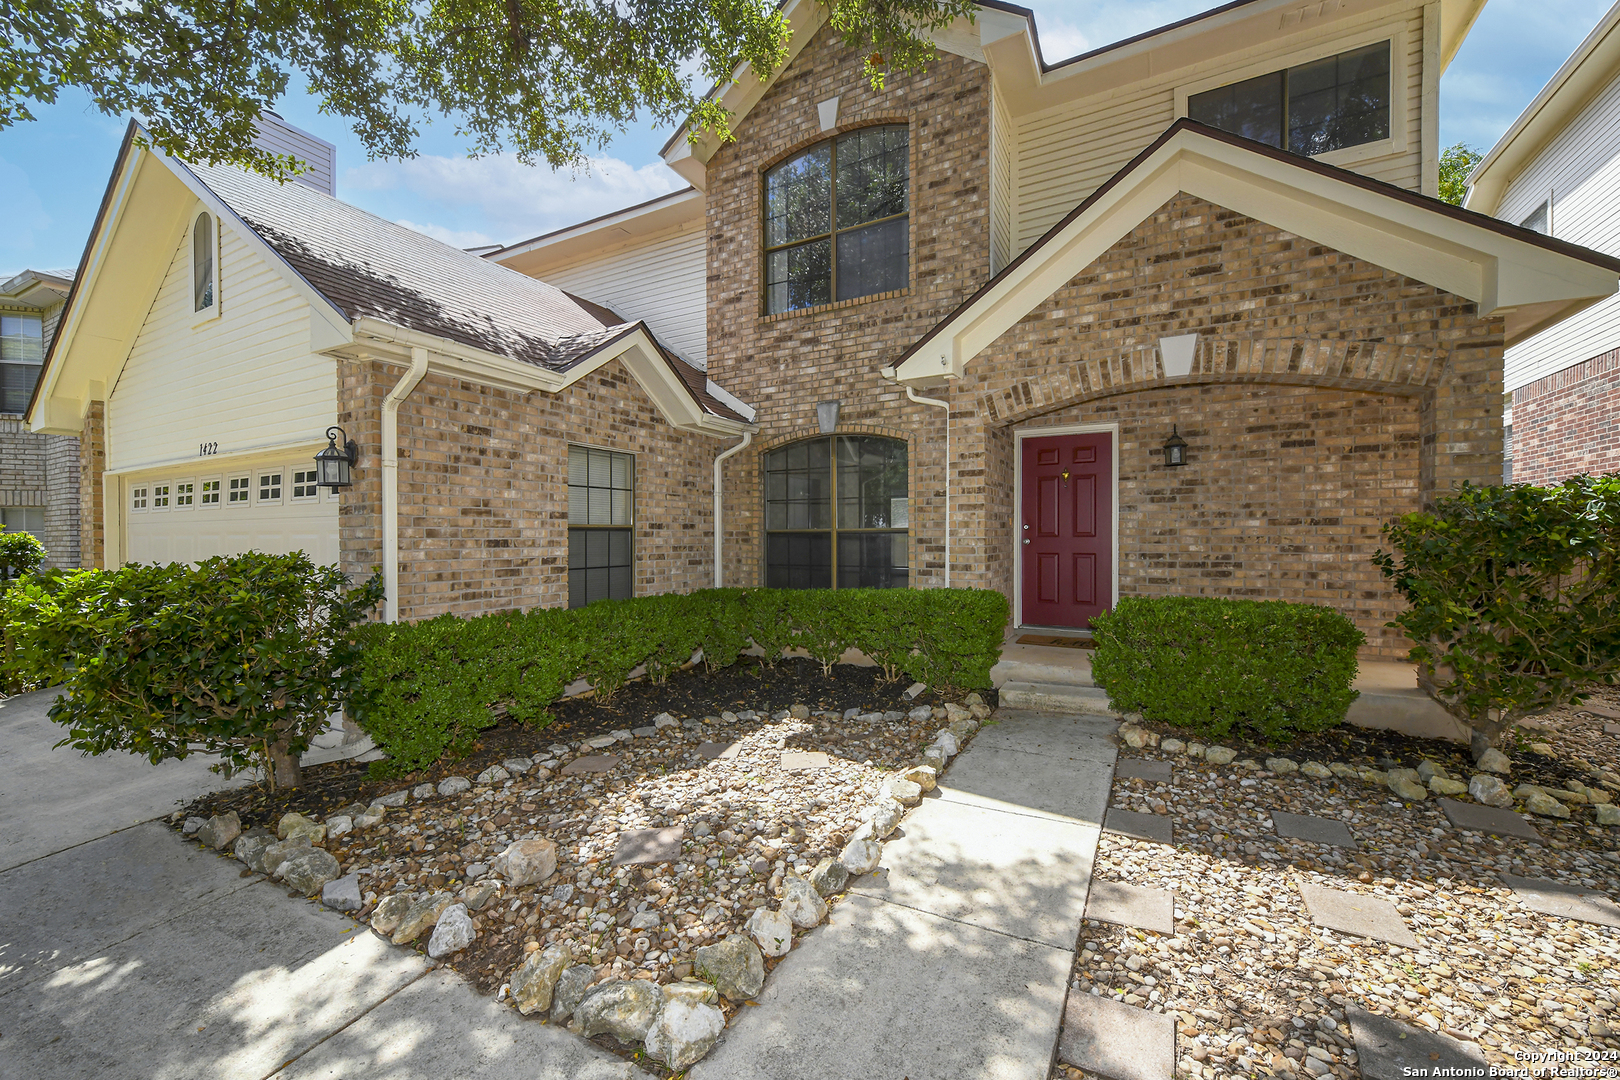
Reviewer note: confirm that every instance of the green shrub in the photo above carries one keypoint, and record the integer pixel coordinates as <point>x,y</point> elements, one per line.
<point>244,657</point>
<point>1262,669</point>
<point>20,554</point>
<point>25,661</point>
<point>1514,597</point>
<point>426,689</point>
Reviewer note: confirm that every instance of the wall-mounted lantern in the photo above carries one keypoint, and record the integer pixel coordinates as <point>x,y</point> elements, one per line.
<point>333,465</point>
<point>1175,449</point>
<point>827,416</point>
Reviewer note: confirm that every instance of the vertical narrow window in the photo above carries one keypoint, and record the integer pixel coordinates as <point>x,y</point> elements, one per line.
<point>837,514</point>
<point>22,351</point>
<point>1313,108</point>
<point>601,520</point>
<point>204,270</point>
<point>837,223</point>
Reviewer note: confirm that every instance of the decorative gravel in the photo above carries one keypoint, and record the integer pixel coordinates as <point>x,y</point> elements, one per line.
<point>1259,990</point>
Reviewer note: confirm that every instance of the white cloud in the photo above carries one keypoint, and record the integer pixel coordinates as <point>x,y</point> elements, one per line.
<point>465,201</point>
<point>1060,39</point>
<point>460,238</point>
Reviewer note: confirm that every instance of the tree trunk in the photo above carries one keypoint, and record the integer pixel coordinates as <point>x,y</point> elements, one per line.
<point>284,768</point>
<point>1478,743</point>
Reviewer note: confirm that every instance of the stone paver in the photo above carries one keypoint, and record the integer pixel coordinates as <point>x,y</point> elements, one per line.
<point>1318,830</point>
<point>1611,729</point>
<point>1390,1050</point>
<point>591,763</point>
<point>1116,1040</point>
<point>1488,819</point>
<point>1566,901</point>
<point>1601,710</point>
<point>1353,913</point>
<point>1155,828</point>
<point>1132,905</point>
<point>713,751</point>
<point>1131,768</point>
<point>649,846</point>
<point>804,761</point>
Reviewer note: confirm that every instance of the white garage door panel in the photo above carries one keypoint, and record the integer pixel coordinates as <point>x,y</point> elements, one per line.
<point>192,535</point>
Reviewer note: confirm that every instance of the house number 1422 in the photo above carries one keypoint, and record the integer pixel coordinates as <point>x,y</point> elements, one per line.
<point>207,448</point>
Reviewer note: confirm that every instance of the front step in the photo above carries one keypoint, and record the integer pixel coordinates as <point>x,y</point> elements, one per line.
<point>1056,698</point>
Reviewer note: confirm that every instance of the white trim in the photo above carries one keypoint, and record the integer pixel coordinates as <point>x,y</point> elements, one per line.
<point>246,489</point>
<point>280,487</point>
<point>226,461</point>
<point>218,480</point>
<point>1019,435</point>
<point>1400,104</point>
<point>185,492</point>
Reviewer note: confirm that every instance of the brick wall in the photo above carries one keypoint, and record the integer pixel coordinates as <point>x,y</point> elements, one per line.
<point>783,364</point>
<point>62,501</point>
<point>22,464</point>
<point>1568,422</point>
<point>483,485</point>
<point>92,464</point>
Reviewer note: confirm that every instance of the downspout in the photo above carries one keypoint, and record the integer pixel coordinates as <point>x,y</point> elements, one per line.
<point>390,478</point>
<point>748,437</point>
<point>938,404</point>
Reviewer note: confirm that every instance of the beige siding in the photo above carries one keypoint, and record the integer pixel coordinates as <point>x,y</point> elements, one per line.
<point>280,137</point>
<point>659,280</point>
<point>244,380</point>
<point>1066,153</point>
<point>1003,212</point>
<point>1580,171</point>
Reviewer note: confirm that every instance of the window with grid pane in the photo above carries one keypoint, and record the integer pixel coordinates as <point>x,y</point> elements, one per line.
<point>28,519</point>
<point>22,350</point>
<point>1309,109</point>
<point>837,513</point>
<point>601,517</point>
<point>836,220</point>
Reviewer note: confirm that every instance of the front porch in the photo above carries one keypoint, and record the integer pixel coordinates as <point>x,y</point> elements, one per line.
<point>1056,678</point>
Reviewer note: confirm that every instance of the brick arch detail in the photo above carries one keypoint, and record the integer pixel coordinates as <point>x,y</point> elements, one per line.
<point>774,157</point>
<point>1367,366</point>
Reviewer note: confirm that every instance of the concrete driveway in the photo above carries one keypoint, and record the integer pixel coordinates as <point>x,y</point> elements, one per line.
<point>127,952</point>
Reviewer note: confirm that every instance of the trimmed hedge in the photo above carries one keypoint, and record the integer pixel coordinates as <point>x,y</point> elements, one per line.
<point>1264,669</point>
<point>428,688</point>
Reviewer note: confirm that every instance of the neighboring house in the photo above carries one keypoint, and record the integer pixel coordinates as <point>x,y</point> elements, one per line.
<point>39,474</point>
<point>955,332</point>
<point>1557,171</point>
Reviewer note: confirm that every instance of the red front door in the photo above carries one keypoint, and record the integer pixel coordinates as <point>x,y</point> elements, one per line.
<point>1066,530</point>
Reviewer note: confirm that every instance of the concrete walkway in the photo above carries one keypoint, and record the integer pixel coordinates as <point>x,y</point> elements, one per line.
<point>952,961</point>
<point>127,952</point>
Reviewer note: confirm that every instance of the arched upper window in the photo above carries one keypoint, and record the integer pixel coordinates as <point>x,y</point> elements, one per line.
<point>837,221</point>
<point>204,269</point>
<point>837,513</point>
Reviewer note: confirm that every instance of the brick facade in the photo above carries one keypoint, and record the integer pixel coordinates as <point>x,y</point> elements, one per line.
<point>42,471</point>
<point>1568,422</point>
<point>92,464</point>
<point>483,488</point>
<point>783,364</point>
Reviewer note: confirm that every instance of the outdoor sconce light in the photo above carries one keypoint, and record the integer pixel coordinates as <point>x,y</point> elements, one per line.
<point>827,416</point>
<point>1175,449</point>
<point>333,465</point>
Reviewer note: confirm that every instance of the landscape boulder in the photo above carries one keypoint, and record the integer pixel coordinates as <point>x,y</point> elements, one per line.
<point>684,1033</point>
<point>734,966</point>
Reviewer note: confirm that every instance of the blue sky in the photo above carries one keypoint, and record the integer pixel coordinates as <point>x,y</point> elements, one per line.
<point>53,171</point>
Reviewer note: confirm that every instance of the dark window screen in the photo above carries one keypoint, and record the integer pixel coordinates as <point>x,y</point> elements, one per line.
<point>1309,109</point>
<point>837,514</point>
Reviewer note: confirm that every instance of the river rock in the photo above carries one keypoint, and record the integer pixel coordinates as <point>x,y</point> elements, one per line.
<point>772,930</point>
<point>390,912</point>
<point>801,903</point>
<point>1494,761</point>
<point>392,799</point>
<point>279,852</point>
<point>1606,813</point>
<point>1173,746</point>
<point>1410,790</point>
<point>454,785</point>
<point>1445,785</point>
<point>1546,806</point>
<point>526,862</point>
<point>829,877</point>
<point>536,978</point>
<point>861,855</point>
<point>493,775</point>
<point>1220,755</point>
<point>1490,791</point>
<point>221,830</point>
<point>422,914</point>
<point>572,985</point>
<point>684,1033</point>
<point>623,1008</point>
<point>734,966</point>
<point>453,932</point>
<point>1316,770</point>
<point>343,894</point>
<point>1282,766</point>
<point>309,870</point>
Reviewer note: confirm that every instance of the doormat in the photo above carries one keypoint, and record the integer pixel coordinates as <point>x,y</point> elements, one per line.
<point>1057,642</point>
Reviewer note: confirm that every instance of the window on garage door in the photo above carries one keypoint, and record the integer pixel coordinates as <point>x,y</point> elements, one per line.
<point>601,519</point>
<point>270,486</point>
<point>238,490</point>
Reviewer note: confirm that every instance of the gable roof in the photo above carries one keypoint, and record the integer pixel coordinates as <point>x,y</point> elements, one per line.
<point>1534,280</point>
<point>366,279</point>
<point>1591,67</point>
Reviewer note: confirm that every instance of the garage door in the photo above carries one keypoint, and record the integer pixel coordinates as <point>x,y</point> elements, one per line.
<point>274,508</point>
